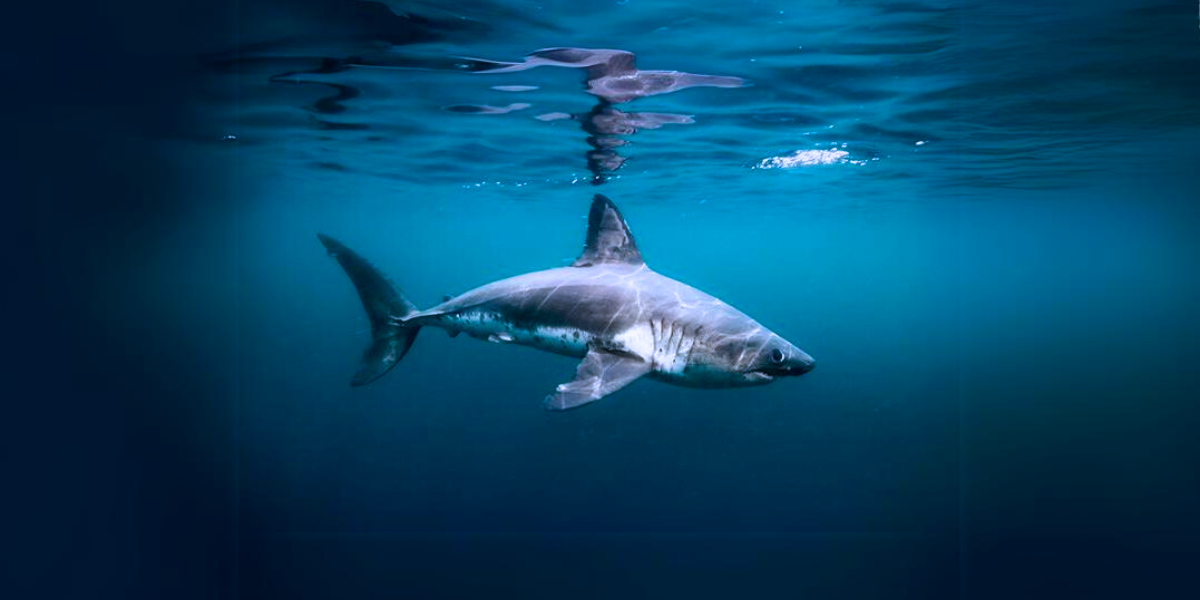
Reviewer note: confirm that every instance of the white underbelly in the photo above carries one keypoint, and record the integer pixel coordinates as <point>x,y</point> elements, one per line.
<point>559,340</point>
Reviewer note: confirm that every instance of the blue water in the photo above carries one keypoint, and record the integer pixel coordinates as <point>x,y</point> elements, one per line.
<point>979,218</point>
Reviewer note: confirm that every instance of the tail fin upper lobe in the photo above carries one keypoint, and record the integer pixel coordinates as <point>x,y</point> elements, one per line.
<point>389,341</point>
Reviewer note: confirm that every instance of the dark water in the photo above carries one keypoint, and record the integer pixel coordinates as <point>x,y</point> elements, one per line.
<point>980,218</point>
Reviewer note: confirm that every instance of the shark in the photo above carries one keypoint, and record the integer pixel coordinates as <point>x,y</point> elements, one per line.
<point>608,308</point>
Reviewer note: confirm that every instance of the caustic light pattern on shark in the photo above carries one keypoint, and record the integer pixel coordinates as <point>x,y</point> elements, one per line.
<point>624,320</point>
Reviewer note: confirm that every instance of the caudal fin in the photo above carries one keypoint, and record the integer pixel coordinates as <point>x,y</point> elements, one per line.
<point>389,340</point>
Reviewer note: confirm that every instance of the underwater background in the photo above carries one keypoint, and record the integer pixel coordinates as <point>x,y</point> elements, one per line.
<point>980,218</point>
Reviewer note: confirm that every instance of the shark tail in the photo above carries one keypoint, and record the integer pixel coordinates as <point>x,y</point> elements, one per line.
<point>386,308</point>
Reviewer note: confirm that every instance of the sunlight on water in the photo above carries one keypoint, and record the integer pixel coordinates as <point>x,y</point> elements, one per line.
<point>808,158</point>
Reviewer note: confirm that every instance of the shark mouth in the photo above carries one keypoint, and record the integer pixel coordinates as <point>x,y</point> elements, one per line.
<point>770,373</point>
<point>759,376</point>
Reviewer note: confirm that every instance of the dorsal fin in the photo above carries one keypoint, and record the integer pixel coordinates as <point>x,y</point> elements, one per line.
<point>608,237</point>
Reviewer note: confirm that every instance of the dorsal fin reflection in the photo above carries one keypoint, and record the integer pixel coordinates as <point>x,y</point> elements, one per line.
<point>613,78</point>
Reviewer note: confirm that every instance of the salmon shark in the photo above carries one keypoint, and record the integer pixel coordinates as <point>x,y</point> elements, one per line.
<point>608,308</point>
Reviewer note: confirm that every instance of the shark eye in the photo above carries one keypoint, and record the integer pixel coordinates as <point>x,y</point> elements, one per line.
<point>777,356</point>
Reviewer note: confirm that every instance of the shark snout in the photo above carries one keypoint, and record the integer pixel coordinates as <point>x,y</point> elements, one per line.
<point>802,364</point>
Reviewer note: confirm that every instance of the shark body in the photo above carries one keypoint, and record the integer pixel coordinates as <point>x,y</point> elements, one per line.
<point>624,321</point>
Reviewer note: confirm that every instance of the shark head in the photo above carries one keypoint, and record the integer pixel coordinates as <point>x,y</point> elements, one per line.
<point>773,357</point>
<point>744,356</point>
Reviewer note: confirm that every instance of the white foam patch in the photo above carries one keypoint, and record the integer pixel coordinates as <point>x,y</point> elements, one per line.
<point>808,158</point>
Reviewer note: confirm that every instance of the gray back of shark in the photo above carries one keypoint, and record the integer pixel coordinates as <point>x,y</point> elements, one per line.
<point>623,319</point>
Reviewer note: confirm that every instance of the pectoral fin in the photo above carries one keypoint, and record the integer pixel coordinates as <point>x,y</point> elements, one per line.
<point>600,374</point>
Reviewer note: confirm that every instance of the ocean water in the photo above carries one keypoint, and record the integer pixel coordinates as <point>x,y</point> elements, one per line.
<point>979,218</point>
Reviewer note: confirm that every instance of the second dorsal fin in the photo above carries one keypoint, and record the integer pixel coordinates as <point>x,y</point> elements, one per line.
<point>608,237</point>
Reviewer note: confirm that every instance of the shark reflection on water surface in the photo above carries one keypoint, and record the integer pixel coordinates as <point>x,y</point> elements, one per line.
<point>613,78</point>
<point>610,76</point>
